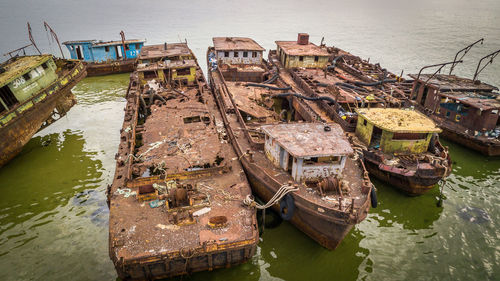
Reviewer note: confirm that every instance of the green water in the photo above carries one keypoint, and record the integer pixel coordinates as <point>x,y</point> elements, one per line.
<point>53,215</point>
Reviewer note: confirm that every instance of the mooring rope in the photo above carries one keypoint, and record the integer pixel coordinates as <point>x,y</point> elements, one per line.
<point>282,191</point>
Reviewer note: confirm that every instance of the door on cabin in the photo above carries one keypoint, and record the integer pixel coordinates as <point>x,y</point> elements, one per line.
<point>376,137</point>
<point>118,50</point>
<point>79,54</point>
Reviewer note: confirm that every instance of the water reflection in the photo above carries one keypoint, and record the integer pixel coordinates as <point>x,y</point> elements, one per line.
<point>47,190</point>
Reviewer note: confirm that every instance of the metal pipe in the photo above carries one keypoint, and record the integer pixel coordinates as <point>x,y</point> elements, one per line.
<point>465,50</point>
<point>491,56</point>
<point>267,86</point>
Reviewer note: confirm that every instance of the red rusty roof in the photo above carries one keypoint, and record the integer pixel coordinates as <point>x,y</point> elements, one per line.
<point>236,44</point>
<point>454,83</point>
<point>310,139</point>
<point>293,48</point>
<point>159,51</point>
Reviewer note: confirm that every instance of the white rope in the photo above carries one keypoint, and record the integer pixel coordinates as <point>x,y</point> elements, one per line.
<point>282,191</point>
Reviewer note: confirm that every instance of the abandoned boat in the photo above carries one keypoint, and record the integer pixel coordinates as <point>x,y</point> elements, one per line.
<point>176,198</point>
<point>340,82</point>
<point>329,188</point>
<point>35,91</point>
<point>467,110</point>
<point>104,58</point>
<point>402,148</point>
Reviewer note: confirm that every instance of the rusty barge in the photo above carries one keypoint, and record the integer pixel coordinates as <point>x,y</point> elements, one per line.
<point>279,149</point>
<point>408,157</point>
<point>176,199</point>
<point>35,91</point>
<point>467,110</point>
<point>106,57</point>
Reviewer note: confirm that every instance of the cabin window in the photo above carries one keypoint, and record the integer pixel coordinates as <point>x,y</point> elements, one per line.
<point>106,49</point>
<point>26,77</point>
<point>448,113</point>
<point>409,136</point>
<point>127,47</point>
<point>254,54</point>
<point>226,54</point>
<point>311,161</point>
<point>7,96</point>
<point>183,71</point>
<point>45,65</point>
<point>364,122</point>
<point>301,58</point>
<point>149,74</point>
<point>192,119</point>
<point>137,46</point>
<point>316,58</point>
<point>458,117</point>
<point>235,54</point>
<point>245,54</point>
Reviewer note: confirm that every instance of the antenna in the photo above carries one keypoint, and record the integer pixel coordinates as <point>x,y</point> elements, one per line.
<point>491,57</point>
<point>465,50</point>
<point>54,35</point>
<point>441,65</point>
<point>31,39</point>
<point>122,34</point>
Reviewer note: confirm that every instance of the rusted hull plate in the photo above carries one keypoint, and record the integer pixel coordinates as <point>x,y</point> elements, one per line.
<point>100,69</point>
<point>19,131</point>
<point>323,229</point>
<point>471,142</point>
<point>175,264</point>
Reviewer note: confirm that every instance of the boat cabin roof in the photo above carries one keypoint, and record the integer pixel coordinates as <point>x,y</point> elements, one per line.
<point>236,44</point>
<point>453,83</point>
<point>96,43</point>
<point>303,140</point>
<point>167,64</point>
<point>483,102</point>
<point>293,48</point>
<point>399,120</point>
<point>159,51</point>
<point>17,66</point>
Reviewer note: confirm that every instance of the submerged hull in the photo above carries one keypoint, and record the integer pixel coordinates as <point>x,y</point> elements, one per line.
<point>107,68</point>
<point>488,149</point>
<point>28,118</point>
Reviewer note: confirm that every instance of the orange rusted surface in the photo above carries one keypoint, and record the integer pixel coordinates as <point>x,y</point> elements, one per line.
<point>326,212</point>
<point>176,174</point>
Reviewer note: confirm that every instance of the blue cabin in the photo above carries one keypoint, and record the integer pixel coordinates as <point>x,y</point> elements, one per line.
<point>99,51</point>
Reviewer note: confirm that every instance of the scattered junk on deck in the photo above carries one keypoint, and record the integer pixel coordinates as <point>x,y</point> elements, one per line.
<point>307,172</point>
<point>402,148</point>
<point>35,91</point>
<point>176,202</point>
<point>345,86</point>
<point>466,109</point>
<point>338,80</point>
<point>104,58</point>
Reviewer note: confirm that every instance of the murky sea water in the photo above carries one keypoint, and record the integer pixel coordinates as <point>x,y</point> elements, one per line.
<point>53,215</point>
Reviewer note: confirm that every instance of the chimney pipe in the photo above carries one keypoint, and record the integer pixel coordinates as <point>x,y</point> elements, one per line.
<point>303,39</point>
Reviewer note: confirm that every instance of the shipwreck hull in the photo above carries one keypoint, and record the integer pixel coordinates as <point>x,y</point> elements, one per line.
<point>411,184</point>
<point>107,68</point>
<point>469,141</point>
<point>328,228</point>
<point>185,262</point>
<point>28,118</point>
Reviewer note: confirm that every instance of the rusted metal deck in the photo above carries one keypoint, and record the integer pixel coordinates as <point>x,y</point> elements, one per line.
<point>176,200</point>
<point>323,210</point>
